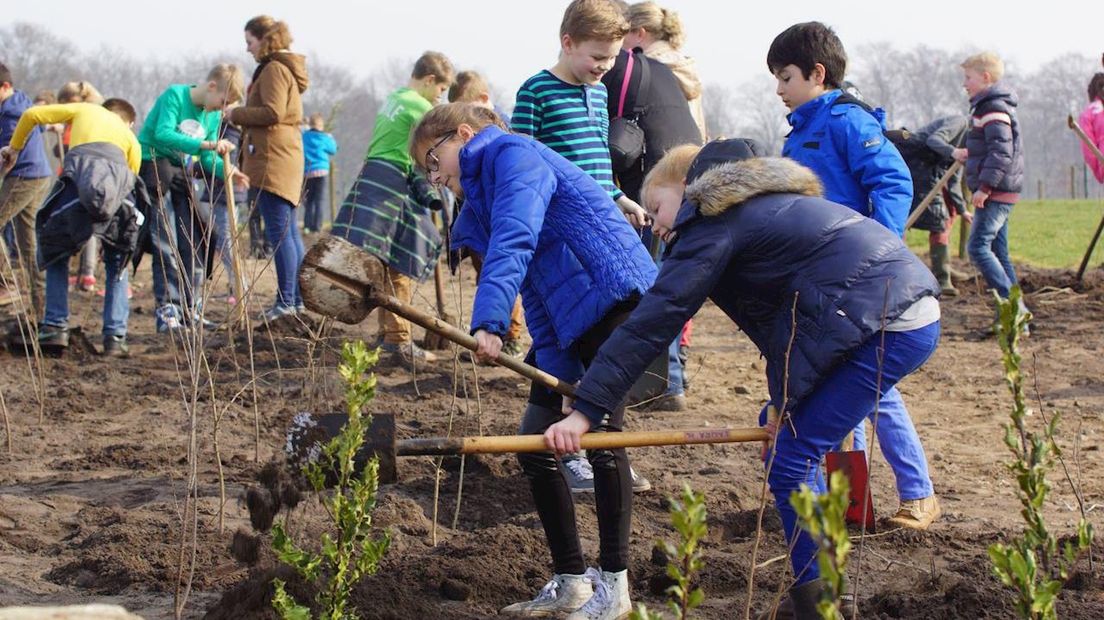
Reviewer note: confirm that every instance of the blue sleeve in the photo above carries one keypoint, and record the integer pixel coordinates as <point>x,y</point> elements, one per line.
<point>7,128</point>
<point>523,187</point>
<point>331,145</point>
<point>686,279</point>
<point>878,168</point>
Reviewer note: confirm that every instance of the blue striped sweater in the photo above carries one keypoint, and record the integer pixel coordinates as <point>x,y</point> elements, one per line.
<point>572,120</point>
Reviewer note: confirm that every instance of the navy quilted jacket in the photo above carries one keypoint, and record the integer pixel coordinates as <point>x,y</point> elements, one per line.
<point>545,228</point>
<point>996,161</point>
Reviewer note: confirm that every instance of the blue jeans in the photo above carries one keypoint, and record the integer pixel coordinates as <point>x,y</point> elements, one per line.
<point>675,370</point>
<point>177,234</point>
<point>221,215</point>
<point>988,246</point>
<point>824,417</point>
<point>314,192</point>
<point>901,446</point>
<point>282,233</point>
<point>116,305</point>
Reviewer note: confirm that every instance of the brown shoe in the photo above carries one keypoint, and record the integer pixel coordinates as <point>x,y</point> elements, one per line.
<point>668,402</point>
<point>8,296</point>
<point>408,353</point>
<point>917,514</point>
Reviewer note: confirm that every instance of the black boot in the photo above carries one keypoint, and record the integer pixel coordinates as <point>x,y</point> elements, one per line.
<point>801,604</point>
<point>940,258</point>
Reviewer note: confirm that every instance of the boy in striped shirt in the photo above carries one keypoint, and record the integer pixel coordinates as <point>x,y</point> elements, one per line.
<point>565,106</point>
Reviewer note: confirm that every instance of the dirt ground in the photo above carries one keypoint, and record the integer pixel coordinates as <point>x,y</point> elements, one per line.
<point>92,491</point>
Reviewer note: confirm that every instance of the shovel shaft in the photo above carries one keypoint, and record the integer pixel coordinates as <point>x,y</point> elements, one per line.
<point>467,341</point>
<point>923,206</point>
<point>1100,227</point>
<point>590,441</point>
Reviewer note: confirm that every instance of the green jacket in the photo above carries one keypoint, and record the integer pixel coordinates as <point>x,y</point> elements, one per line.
<point>403,110</point>
<point>162,134</point>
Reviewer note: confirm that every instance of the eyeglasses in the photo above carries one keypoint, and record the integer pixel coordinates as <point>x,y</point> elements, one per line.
<point>432,162</point>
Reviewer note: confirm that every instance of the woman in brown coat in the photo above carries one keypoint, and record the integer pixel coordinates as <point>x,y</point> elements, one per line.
<point>272,150</point>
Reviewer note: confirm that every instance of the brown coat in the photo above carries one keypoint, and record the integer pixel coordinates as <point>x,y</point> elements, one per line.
<point>272,146</point>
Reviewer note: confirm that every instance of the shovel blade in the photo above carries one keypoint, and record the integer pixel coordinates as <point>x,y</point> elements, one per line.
<point>309,432</point>
<point>337,280</point>
<point>853,465</point>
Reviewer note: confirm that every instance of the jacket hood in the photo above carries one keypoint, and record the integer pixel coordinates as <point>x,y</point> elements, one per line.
<point>680,64</point>
<point>16,104</point>
<point>996,91</point>
<point>733,183</point>
<point>297,64</point>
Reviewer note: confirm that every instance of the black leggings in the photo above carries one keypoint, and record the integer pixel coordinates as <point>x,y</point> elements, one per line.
<point>612,479</point>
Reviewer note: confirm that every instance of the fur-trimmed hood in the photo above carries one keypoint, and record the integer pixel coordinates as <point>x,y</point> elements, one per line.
<point>736,182</point>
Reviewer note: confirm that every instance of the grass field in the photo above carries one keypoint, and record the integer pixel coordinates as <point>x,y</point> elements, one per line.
<point>1042,233</point>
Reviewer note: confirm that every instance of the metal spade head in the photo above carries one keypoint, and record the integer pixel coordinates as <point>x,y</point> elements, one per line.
<point>309,432</point>
<point>338,280</point>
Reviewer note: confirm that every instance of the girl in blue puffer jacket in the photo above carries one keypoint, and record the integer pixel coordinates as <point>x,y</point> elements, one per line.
<point>547,229</point>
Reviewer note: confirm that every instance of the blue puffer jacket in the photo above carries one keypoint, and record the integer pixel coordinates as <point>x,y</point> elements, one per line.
<point>546,228</point>
<point>32,162</point>
<point>318,148</point>
<point>996,161</point>
<point>752,235</point>
<point>859,168</point>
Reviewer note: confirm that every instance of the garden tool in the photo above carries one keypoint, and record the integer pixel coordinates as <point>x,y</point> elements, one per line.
<point>1100,227</point>
<point>852,463</point>
<point>923,206</point>
<point>433,340</point>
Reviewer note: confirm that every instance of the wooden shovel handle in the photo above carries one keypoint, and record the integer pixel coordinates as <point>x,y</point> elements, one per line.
<point>923,206</point>
<point>452,334</point>
<point>590,441</point>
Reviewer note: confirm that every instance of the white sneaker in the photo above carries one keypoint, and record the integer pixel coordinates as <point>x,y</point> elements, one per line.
<point>580,477</point>
<point>563,594</point>
<point>611,597</point>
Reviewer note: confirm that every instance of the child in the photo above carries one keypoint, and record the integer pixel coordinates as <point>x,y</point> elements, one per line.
<point>565,106</point>
<point>183,125</point>
<point>318,148</point>
<point>93,196</point>
<point>387,211</point>
<point>835,135</point>
<point>81,92</point>
<point>21,191</point>
<point>1092,123</point>
<point>215,195</point>
<point>841,140</point>
<point>994,167</point>
<point>583,278</point>
<point>753,235</point>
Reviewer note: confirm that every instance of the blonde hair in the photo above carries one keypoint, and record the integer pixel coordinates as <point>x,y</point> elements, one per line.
<point>317,121</point>
<point>671,170</point>
<point>593,20</point>
<point>79,92</point>
<point>985,62</point>
<point>274,35</point>
<point>228,79</point>
<point>661,23</point>
<point>445,118</point>
<point>46,97</point>
<point>435,64</point>
<point>468,87</point>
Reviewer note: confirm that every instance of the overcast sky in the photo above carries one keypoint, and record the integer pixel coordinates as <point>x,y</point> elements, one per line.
<point>511,40</point>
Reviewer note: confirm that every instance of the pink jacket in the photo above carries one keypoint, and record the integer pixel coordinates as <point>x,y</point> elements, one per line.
<point>1092,122</point>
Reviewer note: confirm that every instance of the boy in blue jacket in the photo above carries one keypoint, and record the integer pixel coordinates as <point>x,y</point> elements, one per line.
<point>318,148</point>
<point>22,190</point>
<point>549,231</point>
<point>753,235</point>
<point>840,138</point>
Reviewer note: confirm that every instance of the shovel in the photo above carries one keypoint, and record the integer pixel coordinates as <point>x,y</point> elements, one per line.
<point>433,340</point>
<point>860,506</point>
<point>1100,227</point>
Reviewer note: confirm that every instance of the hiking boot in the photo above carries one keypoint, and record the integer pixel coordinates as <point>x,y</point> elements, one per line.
<point>408,353</point>
<point>639,483</point>
<point>53,338</point>
<point>87,283</point>
<point>168,319</point>
<point>8,296</point>
<point>940,259</point>
<point>578,473</point>
<point>801,604</point>
<point>563,594</point>
<point>668,402</point>
<point>275,313</point>
<point>610,600</point>
<point>917,514</point>
<point>512,348</point>
<point>115,346</point>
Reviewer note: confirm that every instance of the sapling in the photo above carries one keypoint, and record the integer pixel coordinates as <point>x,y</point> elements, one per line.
<point>684,562</point>
<point>823,517</point>
<point>355,553</point>
<point>1031,564</point>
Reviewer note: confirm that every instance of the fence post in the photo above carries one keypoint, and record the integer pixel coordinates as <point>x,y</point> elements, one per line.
<point>1040,184</point>
<point>1073,183</point>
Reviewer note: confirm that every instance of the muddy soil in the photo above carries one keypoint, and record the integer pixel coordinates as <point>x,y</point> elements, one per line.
<point>92,493</point>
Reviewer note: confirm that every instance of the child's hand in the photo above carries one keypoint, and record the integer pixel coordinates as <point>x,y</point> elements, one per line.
<point>979,199</point>
<point>565,436</point>
<point>568,403</point>
<point>636,214</point>
<point>239,178</point>
<point>960,155</point>
<point>223,147</point>
<point>8,156</point>
<point>488,346</point>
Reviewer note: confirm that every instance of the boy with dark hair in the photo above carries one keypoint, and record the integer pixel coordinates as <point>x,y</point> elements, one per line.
<point>22,190</point>
<point>837,136</point>
<point>387,212</point>
<point>565,107</point>
<point>841,139</point>
<point>994,167</point>
<point>96,194</point>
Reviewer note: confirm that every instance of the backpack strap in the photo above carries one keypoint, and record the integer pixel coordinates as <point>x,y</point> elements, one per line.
<point>643,86</point>
<point>625,86</point>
